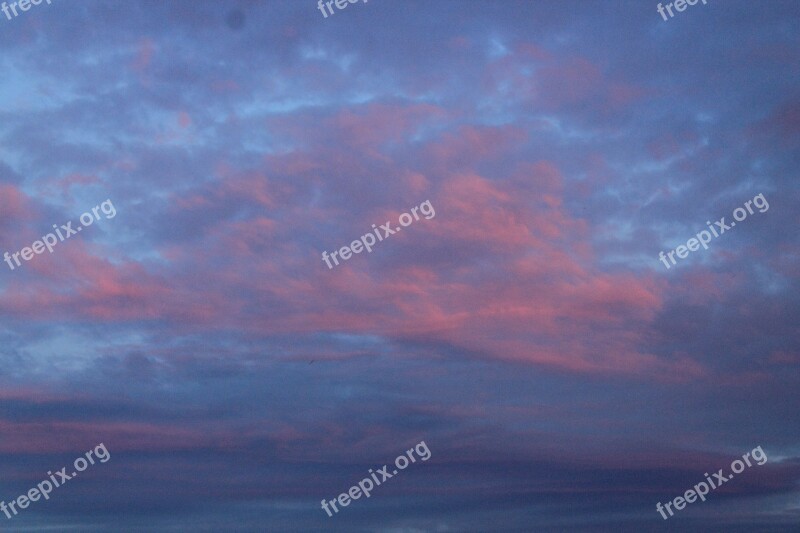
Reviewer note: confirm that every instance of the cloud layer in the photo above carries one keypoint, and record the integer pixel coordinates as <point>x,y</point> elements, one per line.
<point>561,376</point>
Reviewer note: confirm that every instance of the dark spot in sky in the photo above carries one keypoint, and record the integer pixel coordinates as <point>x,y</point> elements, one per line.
<point>235,19</point>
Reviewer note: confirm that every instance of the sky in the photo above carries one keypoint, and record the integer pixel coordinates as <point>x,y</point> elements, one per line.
<point>562,375</point>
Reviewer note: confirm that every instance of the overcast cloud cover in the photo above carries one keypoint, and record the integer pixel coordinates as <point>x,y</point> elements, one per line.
<point>562,377</point>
